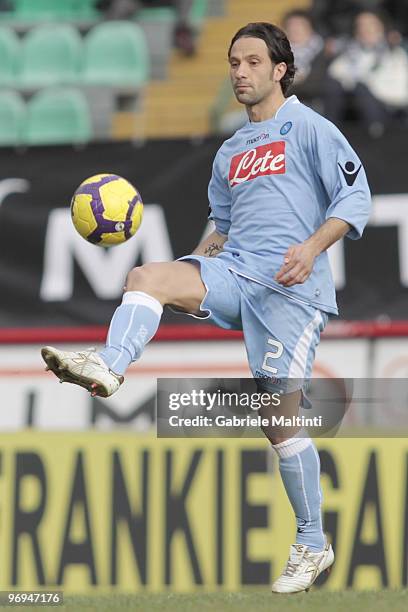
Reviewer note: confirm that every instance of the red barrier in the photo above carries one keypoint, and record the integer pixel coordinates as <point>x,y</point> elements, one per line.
<point>188,333</point>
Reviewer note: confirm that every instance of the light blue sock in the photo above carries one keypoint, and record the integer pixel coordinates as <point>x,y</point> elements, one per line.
<point>133,325</point>
<point>299,466</point>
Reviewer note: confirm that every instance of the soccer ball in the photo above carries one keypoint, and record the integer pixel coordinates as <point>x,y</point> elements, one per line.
<point>106,210</point>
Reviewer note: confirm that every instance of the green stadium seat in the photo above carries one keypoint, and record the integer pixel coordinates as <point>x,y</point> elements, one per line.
<point>116,55</point>
<point>58,116</point>
<point>83,9</point>
<point>12,116</point>
<point>40,10</point>
<point>162,13</point>
<point>10,56</point>
<point>199,11</point>
<point>36,10</point>
<point>51,54</point>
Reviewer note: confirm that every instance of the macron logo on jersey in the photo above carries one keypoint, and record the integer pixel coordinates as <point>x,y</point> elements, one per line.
<point>260,161</point>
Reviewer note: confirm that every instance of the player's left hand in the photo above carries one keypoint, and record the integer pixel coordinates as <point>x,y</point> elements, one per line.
<point>297,265</point>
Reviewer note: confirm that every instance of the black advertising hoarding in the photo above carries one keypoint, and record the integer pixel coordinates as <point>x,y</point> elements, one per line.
<point>172,178</point>
<point>48,277</point>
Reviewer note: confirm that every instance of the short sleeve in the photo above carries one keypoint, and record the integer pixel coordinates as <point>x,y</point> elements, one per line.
<point>219,197</point>
<point>343,177</point>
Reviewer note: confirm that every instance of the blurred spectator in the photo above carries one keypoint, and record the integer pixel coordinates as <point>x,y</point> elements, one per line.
<point>334,18</point>
<point>371,73</point>
<point>311,60</point>
<point>184,36</point>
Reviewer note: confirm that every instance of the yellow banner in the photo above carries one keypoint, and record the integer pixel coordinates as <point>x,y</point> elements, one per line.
<point>87,511</point>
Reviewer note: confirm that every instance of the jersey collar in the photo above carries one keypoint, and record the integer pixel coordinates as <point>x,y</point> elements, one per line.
<point>286,106</point>
<point>284,110</point>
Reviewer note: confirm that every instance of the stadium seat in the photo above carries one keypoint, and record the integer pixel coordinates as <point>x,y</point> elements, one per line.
<point>10,56</point>
<point>50,55</point>
<point>58,116</point>
<point>28,10</point>
<point>162,13</point>
<point>116,55</point>
<point>199,11</point>
<point>83,9</point>
<point>24,9</point>
<point>12,115</point>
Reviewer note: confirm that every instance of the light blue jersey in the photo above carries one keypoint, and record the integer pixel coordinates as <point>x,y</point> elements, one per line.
<point>274,183</point>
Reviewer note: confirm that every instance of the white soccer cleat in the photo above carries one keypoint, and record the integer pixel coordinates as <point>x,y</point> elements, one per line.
<point>83,368</point>
<point>302,568</point>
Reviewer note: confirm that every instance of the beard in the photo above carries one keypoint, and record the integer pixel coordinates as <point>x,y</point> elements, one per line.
<point>249,98</point>
<point>252,96</point>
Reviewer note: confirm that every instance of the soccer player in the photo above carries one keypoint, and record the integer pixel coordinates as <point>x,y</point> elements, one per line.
<point>283,189</point>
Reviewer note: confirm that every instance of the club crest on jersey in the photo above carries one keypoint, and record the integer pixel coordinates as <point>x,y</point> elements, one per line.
<point>259,161</point>
<point>286,127</point>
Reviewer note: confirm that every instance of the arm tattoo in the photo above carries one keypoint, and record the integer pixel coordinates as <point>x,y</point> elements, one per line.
<point>212,250</point>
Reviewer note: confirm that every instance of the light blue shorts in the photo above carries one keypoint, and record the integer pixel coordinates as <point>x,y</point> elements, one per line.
<point>281,334</point>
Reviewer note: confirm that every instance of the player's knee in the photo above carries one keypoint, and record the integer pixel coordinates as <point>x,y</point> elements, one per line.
<point>143,278</point>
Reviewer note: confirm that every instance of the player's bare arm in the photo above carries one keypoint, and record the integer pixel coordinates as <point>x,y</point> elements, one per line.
<point>299,259</point>
<point>211,246</point>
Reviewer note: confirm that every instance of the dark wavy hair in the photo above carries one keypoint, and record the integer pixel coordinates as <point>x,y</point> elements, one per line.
<point>278,47</point>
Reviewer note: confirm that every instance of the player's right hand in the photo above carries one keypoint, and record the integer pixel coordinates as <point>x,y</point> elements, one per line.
<point>297,265</point>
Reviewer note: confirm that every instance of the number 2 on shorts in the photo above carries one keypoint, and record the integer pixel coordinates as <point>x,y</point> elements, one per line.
<point>278,346</point>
